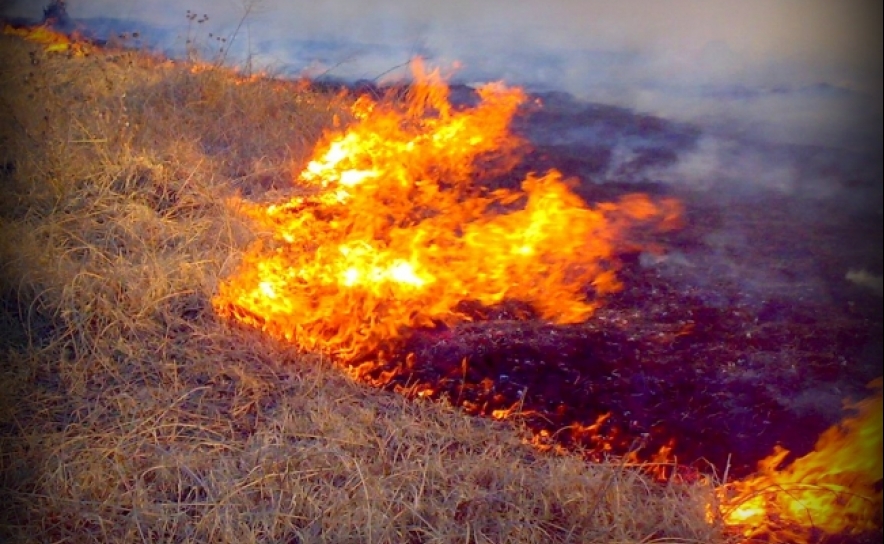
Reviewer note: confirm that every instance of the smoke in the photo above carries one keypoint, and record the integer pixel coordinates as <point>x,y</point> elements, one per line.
<point>863,278</point>
<point>758,77</point>
<point>786,95</point>
<point>740,166</point>
<point>790,71</point>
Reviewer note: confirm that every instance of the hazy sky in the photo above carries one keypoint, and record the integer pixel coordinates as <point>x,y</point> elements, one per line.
<point>789,69</point>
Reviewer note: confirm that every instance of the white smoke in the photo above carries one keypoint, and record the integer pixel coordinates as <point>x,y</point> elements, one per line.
<point>863,278</point>
<point>791,71</point>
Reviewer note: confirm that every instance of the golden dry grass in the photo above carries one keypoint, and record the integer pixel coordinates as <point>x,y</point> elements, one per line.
<point>130,413</point>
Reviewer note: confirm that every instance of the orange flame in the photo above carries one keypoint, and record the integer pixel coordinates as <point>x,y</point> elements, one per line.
<point>835,489</point>
<point>397,232</point>
<point>51,40</point>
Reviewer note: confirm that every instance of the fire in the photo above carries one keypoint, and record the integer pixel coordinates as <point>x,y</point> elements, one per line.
<point>51,40</point>
<point>397,230</point>
<point>835,489</point>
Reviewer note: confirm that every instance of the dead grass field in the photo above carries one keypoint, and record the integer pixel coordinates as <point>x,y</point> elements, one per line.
<point>130,413</point>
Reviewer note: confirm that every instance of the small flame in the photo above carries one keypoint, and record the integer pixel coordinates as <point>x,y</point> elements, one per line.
<point>51,40</point>
<point>835,489</point>
<point>398,232</point>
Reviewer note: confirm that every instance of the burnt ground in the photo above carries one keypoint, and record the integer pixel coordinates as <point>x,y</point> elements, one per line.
<point>738,333</point>
<point>685,354</point>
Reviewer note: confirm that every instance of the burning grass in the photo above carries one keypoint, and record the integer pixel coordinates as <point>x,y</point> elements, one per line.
<point>403,230</point>
<point>130,413</point>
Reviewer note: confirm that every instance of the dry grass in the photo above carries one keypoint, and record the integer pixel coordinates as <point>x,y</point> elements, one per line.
<point>130,413</point>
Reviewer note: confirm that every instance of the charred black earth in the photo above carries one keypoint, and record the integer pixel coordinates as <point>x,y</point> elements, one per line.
<point>735,333</point>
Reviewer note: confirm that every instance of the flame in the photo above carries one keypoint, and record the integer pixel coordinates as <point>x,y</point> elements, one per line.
<point>835,489</point>
<point>240,76</point>
<point>398,230</point>
<point>51,40</point>
<point>397,235</point>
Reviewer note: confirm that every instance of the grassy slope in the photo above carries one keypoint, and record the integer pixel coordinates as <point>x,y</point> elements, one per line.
<point>130,413</point>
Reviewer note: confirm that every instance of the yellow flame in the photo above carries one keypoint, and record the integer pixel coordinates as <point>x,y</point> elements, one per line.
<point>52,41</point>
<point>400,229</point>
<point>834,489</point>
